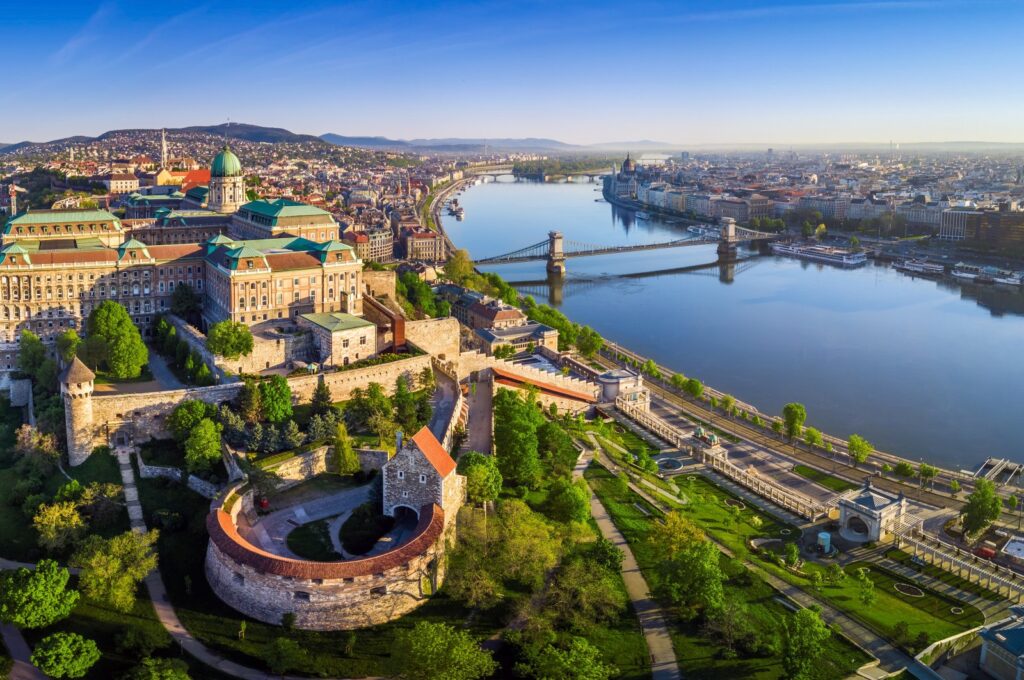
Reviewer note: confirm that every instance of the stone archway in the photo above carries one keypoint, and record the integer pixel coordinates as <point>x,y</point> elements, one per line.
<point>858,526</point>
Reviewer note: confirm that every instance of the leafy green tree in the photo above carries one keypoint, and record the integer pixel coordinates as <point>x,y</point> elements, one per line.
<point>67,344</point>
<point>426,377</point>
<point>954,488</point>
<point>283,655</point>
<point>678,381</point>
<point>515,438</point>
<point>504,352</point>
<point>185,302</point>
<point>483,479</point>
<point>459,267</point>
<point>835,574</point>
<point>579,660</point>
<point>569,501</point>
<point>793,416</point>
<point>112,568</point>
<point>322,401</point>
<point>865,587</point>
<point>405,406</point>
<point>160,669</point>
<point>693,580</point>
<point>170,342</point>
<point>291,436</point>
<point>589,342</point>
<point>859,448</point>
<point>59,525</point>
<point>582,594</point>
<point>368,403</point>
<point>276,398</point>
<point>126,354</point>
<point>926,473</point>
<point>855,244</point>
<point>348,461</point>
<point>31,353</point>
<point>676,534</point>
<point>65,655</point>
<point>694,388</point>
<point>202,448</point>
<point>229,339</point>
<point>437,651</point>
<point>904,470</point>
<point>982,508</point>
<point>250,403</point>
<point>186,416</point>
<point>803,639</point>
<point>36,598</point>
<point>651,369</point>
<point>728,402</point>
<point>203,376</point>
<point>813,437</point>
<point>820,231</point>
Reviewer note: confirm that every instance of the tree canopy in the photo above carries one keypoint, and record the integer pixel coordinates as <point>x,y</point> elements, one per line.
<point>982,508</point>
<point>276,399</point>
<point>793,416</point>
<point>202,448</point>
<point>860,449</point>
<point>229,339</point>
<point>483,479</point>
<point>36,598</point>
<point>804,634</point>
<point>65,655</point>
<point>123,353</point>
<point>112,568</point>
<point>437,651</point>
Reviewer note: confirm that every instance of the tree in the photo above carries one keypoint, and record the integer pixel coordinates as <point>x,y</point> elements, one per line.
<point>59,525</point>
<point>582,594</point>
<point>792,552</point>
<point>186,416</point>
<point>835,574</point>
<point>569,501</point>
<point>67,344</point>
<point>483,479</point>
<point>185,302</point>
<point>125,354</point>
<point>405,405</point>
<point>427,379</point>
<point>229,339</point>
<point>865,588</point>
<point>820,232</point>
<point>926,473</point>
<point>65,655</point>
<point>859,449</point>
<point>580,660</point>
<point>504,352</point>
<point>678,381</point>
<point>160,669</point>
<point>515,438</point>
<point>675,535</point>
<point>813,437</point>
<point>202,448</point>
<point>982,508</point>
<point>694,388</point>
<point>954,488</point>
<point>291,436</point>
<point>367,403</point>
<point>855,244</point>
<point>322,401</point>
<point>437,651</point>
<point>728,402</point>
<point>276,398</point>
<point>283,655</point>
<point>793,416</point>
<point>904,470</point>
<point>459,267</point>
<point>250,403</point>
<point>31,353</point>
<point>589,342</point>
<point>348,461</point>
<point>651,369</point>
<point>693,579</point>
<point>112,568</point>
<point>36,598</point>
<point>804,635</point>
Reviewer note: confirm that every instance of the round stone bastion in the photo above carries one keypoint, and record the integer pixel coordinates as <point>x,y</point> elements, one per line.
<point>341,595</point>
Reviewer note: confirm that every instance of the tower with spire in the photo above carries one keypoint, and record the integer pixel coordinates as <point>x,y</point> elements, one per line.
<point>163,149</point>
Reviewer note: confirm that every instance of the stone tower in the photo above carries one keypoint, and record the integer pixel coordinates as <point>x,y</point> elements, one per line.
<point>76,384</point>
<point>227,183</point>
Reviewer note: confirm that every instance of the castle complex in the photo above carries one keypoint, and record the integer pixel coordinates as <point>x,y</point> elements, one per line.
<point>250,261</point>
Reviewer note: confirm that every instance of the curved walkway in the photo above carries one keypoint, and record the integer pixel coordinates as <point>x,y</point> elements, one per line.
<point>652,621</point>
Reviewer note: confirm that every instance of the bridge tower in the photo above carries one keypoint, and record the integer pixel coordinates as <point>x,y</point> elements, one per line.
<point>556,253</point>
<point>727,242</point>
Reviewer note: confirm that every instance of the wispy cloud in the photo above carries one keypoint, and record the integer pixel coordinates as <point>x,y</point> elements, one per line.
<point>87,34</point>
<point>163,29</point>
<point>808,8</point>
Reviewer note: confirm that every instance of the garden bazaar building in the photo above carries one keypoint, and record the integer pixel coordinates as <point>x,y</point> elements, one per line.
<point>260,260</point>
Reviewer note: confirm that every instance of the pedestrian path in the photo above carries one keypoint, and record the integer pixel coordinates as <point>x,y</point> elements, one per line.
<point>20,652</point>
<point>652,620</point>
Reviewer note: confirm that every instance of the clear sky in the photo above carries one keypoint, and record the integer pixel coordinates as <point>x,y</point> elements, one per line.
<point>732,71</point>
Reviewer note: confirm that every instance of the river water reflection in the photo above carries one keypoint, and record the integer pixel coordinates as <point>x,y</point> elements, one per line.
<point>921,368</point>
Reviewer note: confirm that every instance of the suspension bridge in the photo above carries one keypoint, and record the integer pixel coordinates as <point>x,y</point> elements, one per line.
<point>556,249</point>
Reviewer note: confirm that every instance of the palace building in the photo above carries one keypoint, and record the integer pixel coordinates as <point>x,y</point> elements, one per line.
<point>250,261</point>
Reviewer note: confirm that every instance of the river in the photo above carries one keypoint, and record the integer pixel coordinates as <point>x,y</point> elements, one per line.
<point>922,368</point>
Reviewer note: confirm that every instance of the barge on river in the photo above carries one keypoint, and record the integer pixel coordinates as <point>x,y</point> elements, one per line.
<point>840,257</point>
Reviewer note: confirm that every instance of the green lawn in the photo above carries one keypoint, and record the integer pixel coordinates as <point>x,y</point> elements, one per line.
<point>313,542</point>
<point>943,575</point>
<point>824,479</point>
<point>364,528</point>
<point>699,656</point>
<point>104,378</point>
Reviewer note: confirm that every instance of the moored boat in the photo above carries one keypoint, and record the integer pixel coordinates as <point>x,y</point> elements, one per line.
<point>818,253</point>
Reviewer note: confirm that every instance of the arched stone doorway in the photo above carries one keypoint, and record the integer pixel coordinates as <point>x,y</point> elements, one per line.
<point>857,525</point>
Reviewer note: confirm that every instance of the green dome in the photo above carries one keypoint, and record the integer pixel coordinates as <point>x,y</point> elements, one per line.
<point>226,164</point>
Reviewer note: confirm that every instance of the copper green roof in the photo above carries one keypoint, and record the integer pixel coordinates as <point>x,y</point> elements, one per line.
<point>336,321</point>
<point>219,238</point>
<point>225,164</point>
<point>132,243</point>
<point>14,249</point>
<point>282,207</point>
<point>330,246</point>
<point>198,193</point>
<point>34,217</point>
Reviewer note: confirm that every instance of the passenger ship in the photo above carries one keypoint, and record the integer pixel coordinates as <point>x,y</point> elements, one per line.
<point>817,253</point>
<point>978,274</point>
<point>922,267</point>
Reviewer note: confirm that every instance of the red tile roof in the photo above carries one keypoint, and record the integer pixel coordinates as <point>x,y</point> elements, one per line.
<point>224,534</point>
<point>286,261</point>
<point>432,450</point>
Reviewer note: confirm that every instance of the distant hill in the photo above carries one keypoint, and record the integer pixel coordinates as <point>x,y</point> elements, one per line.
<point>250,133</point>
<point>452,143</point>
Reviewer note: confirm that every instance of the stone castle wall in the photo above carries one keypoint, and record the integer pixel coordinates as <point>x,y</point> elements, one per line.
<point>439,337</point>
<point>308,464</point>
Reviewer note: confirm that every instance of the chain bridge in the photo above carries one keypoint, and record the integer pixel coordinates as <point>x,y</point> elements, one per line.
<point>556,249</point>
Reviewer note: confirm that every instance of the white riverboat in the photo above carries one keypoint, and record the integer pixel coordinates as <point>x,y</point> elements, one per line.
<point>921,267</point>
<point>818,253</point>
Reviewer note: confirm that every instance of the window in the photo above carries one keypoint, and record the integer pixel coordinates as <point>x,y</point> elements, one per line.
<point>423,479</point>
<point>401,474</point>
<point>301,596</point>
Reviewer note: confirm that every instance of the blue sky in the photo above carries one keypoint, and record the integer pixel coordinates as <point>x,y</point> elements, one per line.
<point>732,71</point>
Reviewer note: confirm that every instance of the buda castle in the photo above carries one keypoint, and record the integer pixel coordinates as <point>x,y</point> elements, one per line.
<point>250,261</point>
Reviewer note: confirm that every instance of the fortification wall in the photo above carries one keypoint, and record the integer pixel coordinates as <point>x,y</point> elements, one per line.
<point>379,284</point>
<point>470,362</point>
<point>439,337</point>
<point>323,595</point>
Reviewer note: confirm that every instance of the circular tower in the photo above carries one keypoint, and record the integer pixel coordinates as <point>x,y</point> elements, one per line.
<point>227,183</point>
<point>76,384</point>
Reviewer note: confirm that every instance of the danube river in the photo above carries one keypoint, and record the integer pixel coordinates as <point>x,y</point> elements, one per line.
<point>923,369</point>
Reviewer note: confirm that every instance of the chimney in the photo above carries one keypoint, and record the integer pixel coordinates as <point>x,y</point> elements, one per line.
<point>398,441</point>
